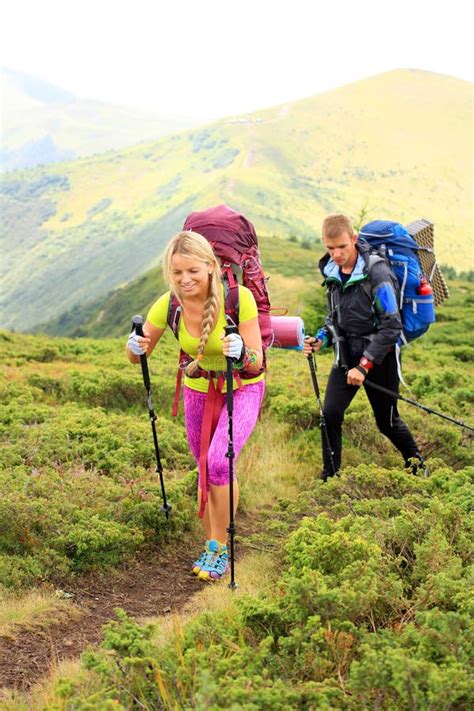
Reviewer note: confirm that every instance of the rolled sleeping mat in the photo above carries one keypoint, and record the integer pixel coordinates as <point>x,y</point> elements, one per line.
<point>288,332</point>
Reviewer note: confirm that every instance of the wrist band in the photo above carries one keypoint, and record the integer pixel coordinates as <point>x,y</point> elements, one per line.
<point>361,369</point>
<point>366,363</point>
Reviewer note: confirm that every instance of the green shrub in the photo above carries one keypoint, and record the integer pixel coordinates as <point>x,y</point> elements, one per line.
<point>370,610</point>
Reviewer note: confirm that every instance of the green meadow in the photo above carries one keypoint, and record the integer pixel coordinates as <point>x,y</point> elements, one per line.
<point>353,594</point>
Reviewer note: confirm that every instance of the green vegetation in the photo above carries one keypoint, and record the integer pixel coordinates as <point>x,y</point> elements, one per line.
<point>78,488</point>
<point>370,609</point>
<point>109,219</point>
<point>368,601</point>
<point>111,316</point>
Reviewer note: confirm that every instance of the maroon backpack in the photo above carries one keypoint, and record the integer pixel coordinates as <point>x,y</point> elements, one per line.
<point>234,241</point>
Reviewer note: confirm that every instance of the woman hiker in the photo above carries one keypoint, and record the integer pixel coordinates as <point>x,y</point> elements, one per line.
<point>193,274</point>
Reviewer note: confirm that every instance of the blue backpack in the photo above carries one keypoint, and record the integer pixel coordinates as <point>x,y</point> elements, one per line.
<point>393,242</point>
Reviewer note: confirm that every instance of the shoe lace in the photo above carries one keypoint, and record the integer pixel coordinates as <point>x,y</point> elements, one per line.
<point>220,563</point>
<point>209,558</point>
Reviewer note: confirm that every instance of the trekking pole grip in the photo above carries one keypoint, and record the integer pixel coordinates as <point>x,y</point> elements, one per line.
<point>137,326</point>
<point>228,330</point>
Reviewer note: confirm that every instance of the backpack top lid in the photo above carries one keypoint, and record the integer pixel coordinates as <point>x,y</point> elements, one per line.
<point>380,232</point>
<point>229,232</point>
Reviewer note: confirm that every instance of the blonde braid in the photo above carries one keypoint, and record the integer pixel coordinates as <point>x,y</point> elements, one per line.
<point>192,244</point>
<point>211,307</point>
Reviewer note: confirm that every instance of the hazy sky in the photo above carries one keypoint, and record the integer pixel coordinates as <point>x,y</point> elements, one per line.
<point>210,58</point>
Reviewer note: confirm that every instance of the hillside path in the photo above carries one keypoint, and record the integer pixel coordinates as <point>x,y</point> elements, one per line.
<point>158,585</point>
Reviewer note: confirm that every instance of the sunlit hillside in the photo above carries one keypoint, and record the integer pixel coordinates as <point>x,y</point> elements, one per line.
<point>291,271</point>
<point>396,144</point>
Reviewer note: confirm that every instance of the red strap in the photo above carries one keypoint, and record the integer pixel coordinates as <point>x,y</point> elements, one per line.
<point>212,411</point>
<point>177,392</point>
<point>238,379</point>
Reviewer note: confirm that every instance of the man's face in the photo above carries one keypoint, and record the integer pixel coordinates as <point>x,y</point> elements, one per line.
<point>342,249</point>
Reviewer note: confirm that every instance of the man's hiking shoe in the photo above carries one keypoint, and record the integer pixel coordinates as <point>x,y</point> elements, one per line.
<point>216,563</point>
<point>197,565</point>
<point>418,467</point>
<point>324,476</point>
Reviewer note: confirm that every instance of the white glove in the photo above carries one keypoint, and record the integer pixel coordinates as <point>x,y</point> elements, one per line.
<point>134,344</point>
<point>236,346</point>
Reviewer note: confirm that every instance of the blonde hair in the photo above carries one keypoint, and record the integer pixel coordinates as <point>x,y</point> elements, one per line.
<point>192,244</point>
<point>335,225</point>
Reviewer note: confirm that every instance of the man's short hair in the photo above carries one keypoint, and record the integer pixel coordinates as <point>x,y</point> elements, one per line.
<point>335,225</point>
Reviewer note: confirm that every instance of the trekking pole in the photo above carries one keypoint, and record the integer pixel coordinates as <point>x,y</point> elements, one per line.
<point>230,454</point>
<point>137,326</point>
<point>460,423</point>
<point>322,419</point>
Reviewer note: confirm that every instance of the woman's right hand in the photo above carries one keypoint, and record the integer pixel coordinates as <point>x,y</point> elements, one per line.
<point>311,344</point>
<point>138,345</point>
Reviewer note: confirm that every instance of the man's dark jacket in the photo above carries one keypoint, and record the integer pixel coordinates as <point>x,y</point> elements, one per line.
<point>364,318</point>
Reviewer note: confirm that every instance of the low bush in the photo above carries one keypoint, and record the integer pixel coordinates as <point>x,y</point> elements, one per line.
<point>371,610</point>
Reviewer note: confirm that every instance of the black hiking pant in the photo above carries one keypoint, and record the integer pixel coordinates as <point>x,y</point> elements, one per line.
<point>338,397</point>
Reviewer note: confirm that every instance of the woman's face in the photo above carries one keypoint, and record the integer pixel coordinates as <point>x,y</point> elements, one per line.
<point>191,276</point>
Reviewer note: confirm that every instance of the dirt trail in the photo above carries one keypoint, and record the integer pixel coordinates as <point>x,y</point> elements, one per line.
<point>154,586</point>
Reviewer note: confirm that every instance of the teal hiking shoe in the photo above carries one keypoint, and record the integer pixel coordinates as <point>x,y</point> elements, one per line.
<point>197,565</point>
<point>216,563</point>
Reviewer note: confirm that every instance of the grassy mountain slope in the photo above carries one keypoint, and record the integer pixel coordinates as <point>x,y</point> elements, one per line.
<point>356,594</point>
<point>291,270</point>
<point>73,416</point>
<point>395,144</point>
<point>43,124</point>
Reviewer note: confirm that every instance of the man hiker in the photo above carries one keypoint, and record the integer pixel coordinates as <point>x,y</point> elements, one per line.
<point>363,326</point>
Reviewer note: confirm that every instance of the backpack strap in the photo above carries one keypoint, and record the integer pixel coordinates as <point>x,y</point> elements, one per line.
<point>231,294</point>
<point>374,258</point>
<point>174,314</point>
<point>371,260</point>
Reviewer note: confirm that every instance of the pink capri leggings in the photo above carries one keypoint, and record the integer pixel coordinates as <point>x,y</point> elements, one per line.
<point>246,408</point>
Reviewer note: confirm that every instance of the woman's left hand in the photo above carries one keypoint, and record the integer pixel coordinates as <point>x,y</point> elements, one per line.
<point>232,346</point>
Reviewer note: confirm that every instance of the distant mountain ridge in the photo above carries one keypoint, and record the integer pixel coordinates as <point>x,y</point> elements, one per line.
<point>393,146</point>
<point>43,123</point>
